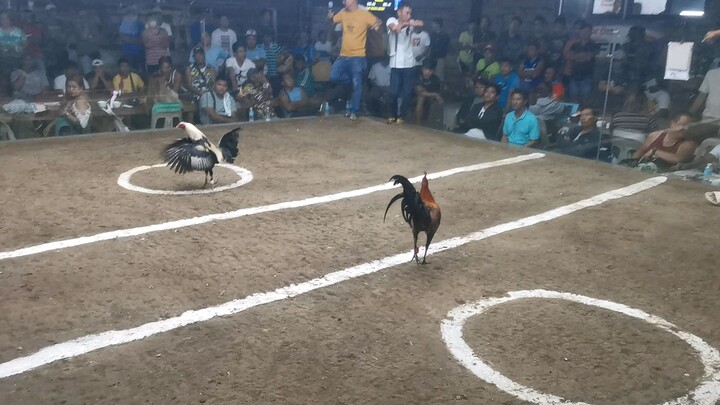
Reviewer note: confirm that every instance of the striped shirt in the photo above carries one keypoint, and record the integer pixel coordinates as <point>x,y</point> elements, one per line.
<point>644,123</point>
<point>271,54</point>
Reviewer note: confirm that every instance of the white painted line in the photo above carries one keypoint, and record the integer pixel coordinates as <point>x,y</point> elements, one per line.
<point>123,181</point>
<point>86,344</point>
<point>707,393</point>
<point>182,223</point>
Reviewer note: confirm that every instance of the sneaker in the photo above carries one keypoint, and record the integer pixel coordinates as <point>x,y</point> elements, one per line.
<point>353,117</point>
<point>391,121</point>
<point>399,121</point>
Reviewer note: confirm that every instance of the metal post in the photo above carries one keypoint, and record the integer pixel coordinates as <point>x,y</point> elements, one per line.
<point>607,95</point>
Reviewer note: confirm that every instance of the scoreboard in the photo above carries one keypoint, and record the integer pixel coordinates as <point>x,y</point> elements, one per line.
<point>381,5</point>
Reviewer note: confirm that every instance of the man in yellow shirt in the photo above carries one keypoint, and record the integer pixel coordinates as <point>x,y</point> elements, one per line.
<point>351,64</point>
<point>127,81</point>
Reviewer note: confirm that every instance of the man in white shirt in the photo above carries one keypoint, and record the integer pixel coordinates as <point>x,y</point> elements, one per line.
<point>402,62</point>
<point>420,45</point>
<point>72,69</point>
<point>237,67</point>
<point>224,37</point>
<point>709,97</point>
<point>378,97</point>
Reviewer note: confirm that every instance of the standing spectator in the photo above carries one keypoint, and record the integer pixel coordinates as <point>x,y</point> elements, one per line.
<point>217,106</point>
<point>254,52</point>
<point>420,45</point>
<point>521,127</point>
<point>351,64</point>
<point>272,51</point>
<point>531,68</point>
<point>428,91</point>
<point>487,67</point>
<point>708,97</point>
<point>582,55</point>
<point>213,55</point>
<point>131,45</point>
<point>466,56</point>
<point>265,25</point>
<point>639,61</point>
<point>127,81</point>
<point>224,37</point>
<point>199,75</point>
<point>402,62</point>
<point>98,78</point>
<point>511,44</point>
<point>34,36</point>
<point>557,37</point>
<point>508,81</point>
<point>12,42</point>
<point>196,29</point>
<point>567,68</point>
<point>156,42</point>
<point>538,34</point>
<point>237,67</point>
<point>439,44</point>
<point>375,48</point>
<point>29,81</point>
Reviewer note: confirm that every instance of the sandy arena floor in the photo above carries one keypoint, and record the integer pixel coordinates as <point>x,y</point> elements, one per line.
<point>372,338</point>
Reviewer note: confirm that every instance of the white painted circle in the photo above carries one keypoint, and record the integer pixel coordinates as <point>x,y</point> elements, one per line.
<point>245,176</point>
<point>707,393</point>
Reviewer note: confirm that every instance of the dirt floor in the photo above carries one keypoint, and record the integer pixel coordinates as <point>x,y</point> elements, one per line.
<point>373,339</point>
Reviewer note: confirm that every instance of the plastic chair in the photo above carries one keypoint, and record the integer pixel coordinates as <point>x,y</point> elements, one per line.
<point>628,134</point>
<point>450,111</point>
<point>168,113</point>
<point>623,148</point>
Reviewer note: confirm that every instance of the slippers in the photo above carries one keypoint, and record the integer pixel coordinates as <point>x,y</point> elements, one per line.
<point>713,197</point>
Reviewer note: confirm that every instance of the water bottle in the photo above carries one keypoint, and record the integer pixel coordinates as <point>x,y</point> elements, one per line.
<point>251,115</point>
<point>267,116</point>
<point>326,109</point>
<point>707,174</point>
<point>347,108</point>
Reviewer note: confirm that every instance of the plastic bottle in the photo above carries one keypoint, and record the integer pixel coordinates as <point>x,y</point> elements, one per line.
<point>347,108</point>
<point>707,174</point>
<point>268,116</point>
<point>326,109</point>
<point>251,115</point>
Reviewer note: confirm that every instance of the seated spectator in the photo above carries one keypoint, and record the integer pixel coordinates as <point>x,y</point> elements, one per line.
<point>237,67</point>
<point>199,75</point>
<point>98,78</point>
<point>467,111</point>
<point>285,62</point>
<point>707,152</point>
<point>658,98</point>
<point>303,49</point>
<point>304,77</point>
<point>218,106</point>
<point>323,47</point>
<point>550,79</point>
<point>76,112</point>
<point>30,80</point>
<point>668,147</point>
<point>508,81</point>
<point>485,120</point>
<point>71,69</point>
<point>257,94</point>
<point>126,81</point>
<point>634,115</point>
<point>521,127</point>
<point>546,108</point>
<point>293,100</point>
<point>378,97</point>
<point>582,141</point>
<point>531,68</point>
<point>618,88</point>
<point>487,67</point>
<point>255,53</point>
<point>427,91</point>
<point>166,80</point>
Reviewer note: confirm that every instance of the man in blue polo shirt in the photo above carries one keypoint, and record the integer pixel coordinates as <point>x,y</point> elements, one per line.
<point>521,127</point>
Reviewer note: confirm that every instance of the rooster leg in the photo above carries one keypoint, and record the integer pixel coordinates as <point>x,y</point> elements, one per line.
<point>206,180</point>
<point>415,248</point>
<point>427,245</point>
<point>212,181</point>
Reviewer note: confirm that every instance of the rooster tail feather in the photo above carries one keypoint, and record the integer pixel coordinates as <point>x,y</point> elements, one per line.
<point>397,197</point>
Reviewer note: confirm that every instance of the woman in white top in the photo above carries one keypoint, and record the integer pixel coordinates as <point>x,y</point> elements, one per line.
<point>237,67</point>
<point>75,118</point>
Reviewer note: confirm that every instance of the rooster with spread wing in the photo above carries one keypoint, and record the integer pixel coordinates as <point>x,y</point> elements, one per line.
<point>418,209</point>
<point>197,153</point>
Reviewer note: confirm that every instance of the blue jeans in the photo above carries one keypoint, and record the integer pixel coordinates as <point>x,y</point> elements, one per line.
<point>580,89</point>
<point>347,69</point>
<point>402,84</point>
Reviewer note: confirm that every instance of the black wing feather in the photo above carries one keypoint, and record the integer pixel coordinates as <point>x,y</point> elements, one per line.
<point>413,210</point>
<point>228,145</point>
<point>186,155</point>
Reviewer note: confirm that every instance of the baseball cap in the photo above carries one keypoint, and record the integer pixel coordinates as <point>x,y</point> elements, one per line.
<point>97,62</point>
<point>251,32</point>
